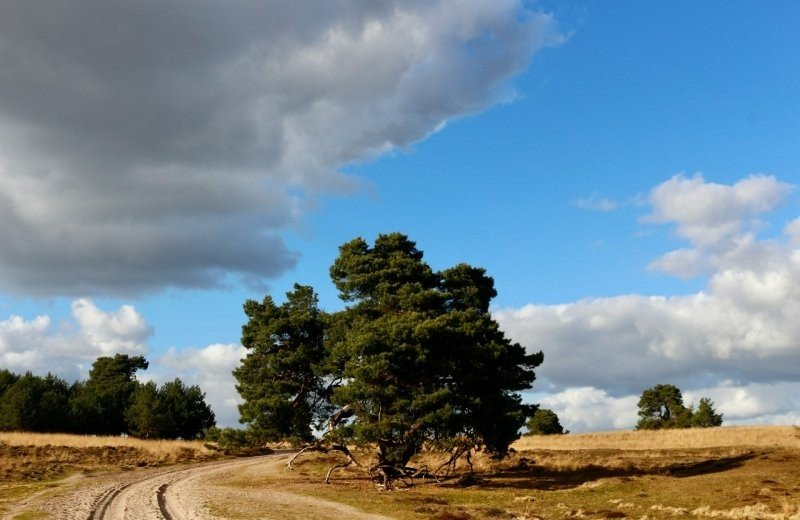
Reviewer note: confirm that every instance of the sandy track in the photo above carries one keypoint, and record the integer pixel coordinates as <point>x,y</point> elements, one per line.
<point>175,494</point>
<point>147,495</point>
<point>161,496</point>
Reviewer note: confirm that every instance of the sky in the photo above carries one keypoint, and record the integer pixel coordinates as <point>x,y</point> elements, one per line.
<point>626,172</point>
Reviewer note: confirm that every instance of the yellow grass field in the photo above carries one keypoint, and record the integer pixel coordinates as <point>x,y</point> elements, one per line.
<point>739,436</point>
<point>729,472</point>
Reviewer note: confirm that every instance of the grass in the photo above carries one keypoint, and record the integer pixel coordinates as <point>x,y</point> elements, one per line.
<point>748,472</point>
<point>755,436</point>
<point>161,448</point>
<point>40,457</point>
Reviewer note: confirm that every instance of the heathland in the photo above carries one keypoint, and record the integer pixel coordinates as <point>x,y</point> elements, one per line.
<point>729,472</point>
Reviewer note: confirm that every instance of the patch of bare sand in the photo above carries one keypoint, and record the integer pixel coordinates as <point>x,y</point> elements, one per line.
<point>235,494</point>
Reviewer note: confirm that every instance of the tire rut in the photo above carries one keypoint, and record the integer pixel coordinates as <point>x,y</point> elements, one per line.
<point>162,502</point>
<point>148,497</point>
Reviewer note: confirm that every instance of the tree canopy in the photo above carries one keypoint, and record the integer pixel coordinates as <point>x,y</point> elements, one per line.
<point>662,407</point>
<point>414,359</point>
<point>545,422</point>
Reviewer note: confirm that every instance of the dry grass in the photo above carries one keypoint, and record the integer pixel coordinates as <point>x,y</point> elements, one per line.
<point>727,436</point>
<point>37,456</point>
<point>165,448</point>
<point>737,473</point>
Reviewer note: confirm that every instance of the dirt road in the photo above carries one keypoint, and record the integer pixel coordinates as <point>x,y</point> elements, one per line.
<point>182,493</point>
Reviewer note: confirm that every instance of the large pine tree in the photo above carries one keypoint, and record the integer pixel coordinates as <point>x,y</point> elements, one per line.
<point>415,358</point>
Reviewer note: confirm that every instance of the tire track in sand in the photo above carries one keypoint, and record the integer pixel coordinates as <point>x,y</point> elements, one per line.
<point>148,498</point>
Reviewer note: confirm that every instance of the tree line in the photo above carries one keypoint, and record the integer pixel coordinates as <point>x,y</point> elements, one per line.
<point>110,402</point>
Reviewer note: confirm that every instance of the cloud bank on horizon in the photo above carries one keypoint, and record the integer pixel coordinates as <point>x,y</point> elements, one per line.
<point>736,341</point>
<point>150,144</point>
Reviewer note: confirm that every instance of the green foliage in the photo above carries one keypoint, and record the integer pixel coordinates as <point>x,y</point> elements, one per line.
<point>147,416</point>
<point>6,380</point>
<point>111,401</point>
<point>415,358</point>
<point>33,403</point>
<point>101,401</point>
<point>232,441</point>
<point>662,407</point>
<point>705,416</point>
<point>282,379</point>
<point>172,411</point>
<point>545,422</point>
<point>186,410</point>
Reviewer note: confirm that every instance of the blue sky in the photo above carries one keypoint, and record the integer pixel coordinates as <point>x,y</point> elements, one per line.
<point>552,143</point>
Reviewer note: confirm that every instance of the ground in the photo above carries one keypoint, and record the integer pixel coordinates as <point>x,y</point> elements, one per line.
<point>718,473</point>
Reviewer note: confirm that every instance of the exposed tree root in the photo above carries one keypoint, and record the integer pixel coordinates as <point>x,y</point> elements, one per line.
<point>321,447</point>
<point>450,465</point>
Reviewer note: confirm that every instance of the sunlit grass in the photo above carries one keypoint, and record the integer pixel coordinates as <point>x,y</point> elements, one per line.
<point>155,447</point>
<point>755,436</point>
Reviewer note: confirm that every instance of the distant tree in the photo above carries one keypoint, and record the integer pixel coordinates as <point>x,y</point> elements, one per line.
<point>169,412</point>
<point>37,404</point>
<point>662,407</point>
<point>705,416</point>
<point>544,422</point>
<point>101,401</point>
<point>147,416</point>
<point>185,407</point>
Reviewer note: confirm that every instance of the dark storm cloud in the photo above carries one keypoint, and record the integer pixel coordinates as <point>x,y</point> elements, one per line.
<point>149,144</point>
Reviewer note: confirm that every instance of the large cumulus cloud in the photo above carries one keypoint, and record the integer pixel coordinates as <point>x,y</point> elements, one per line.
<point>740,336</point>
<point>149,144</point>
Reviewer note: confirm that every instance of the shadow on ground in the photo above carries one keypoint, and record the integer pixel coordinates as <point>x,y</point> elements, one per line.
<point>527,475</point>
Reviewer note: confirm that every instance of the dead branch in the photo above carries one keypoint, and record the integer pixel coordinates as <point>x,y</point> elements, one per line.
<point>321,445</point>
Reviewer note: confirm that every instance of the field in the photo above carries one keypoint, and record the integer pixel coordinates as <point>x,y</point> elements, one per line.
<point>731,472</point>
<point>748,472</point>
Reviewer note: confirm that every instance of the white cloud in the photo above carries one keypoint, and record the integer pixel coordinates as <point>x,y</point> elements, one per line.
<point>587,408</point>
<point>683,263</point>
<point>596,203</point>
<point>123,331</point>
<point>792,230</point>
<point>740,337</point>
<point>706,213</point>
<point>175,151</point>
